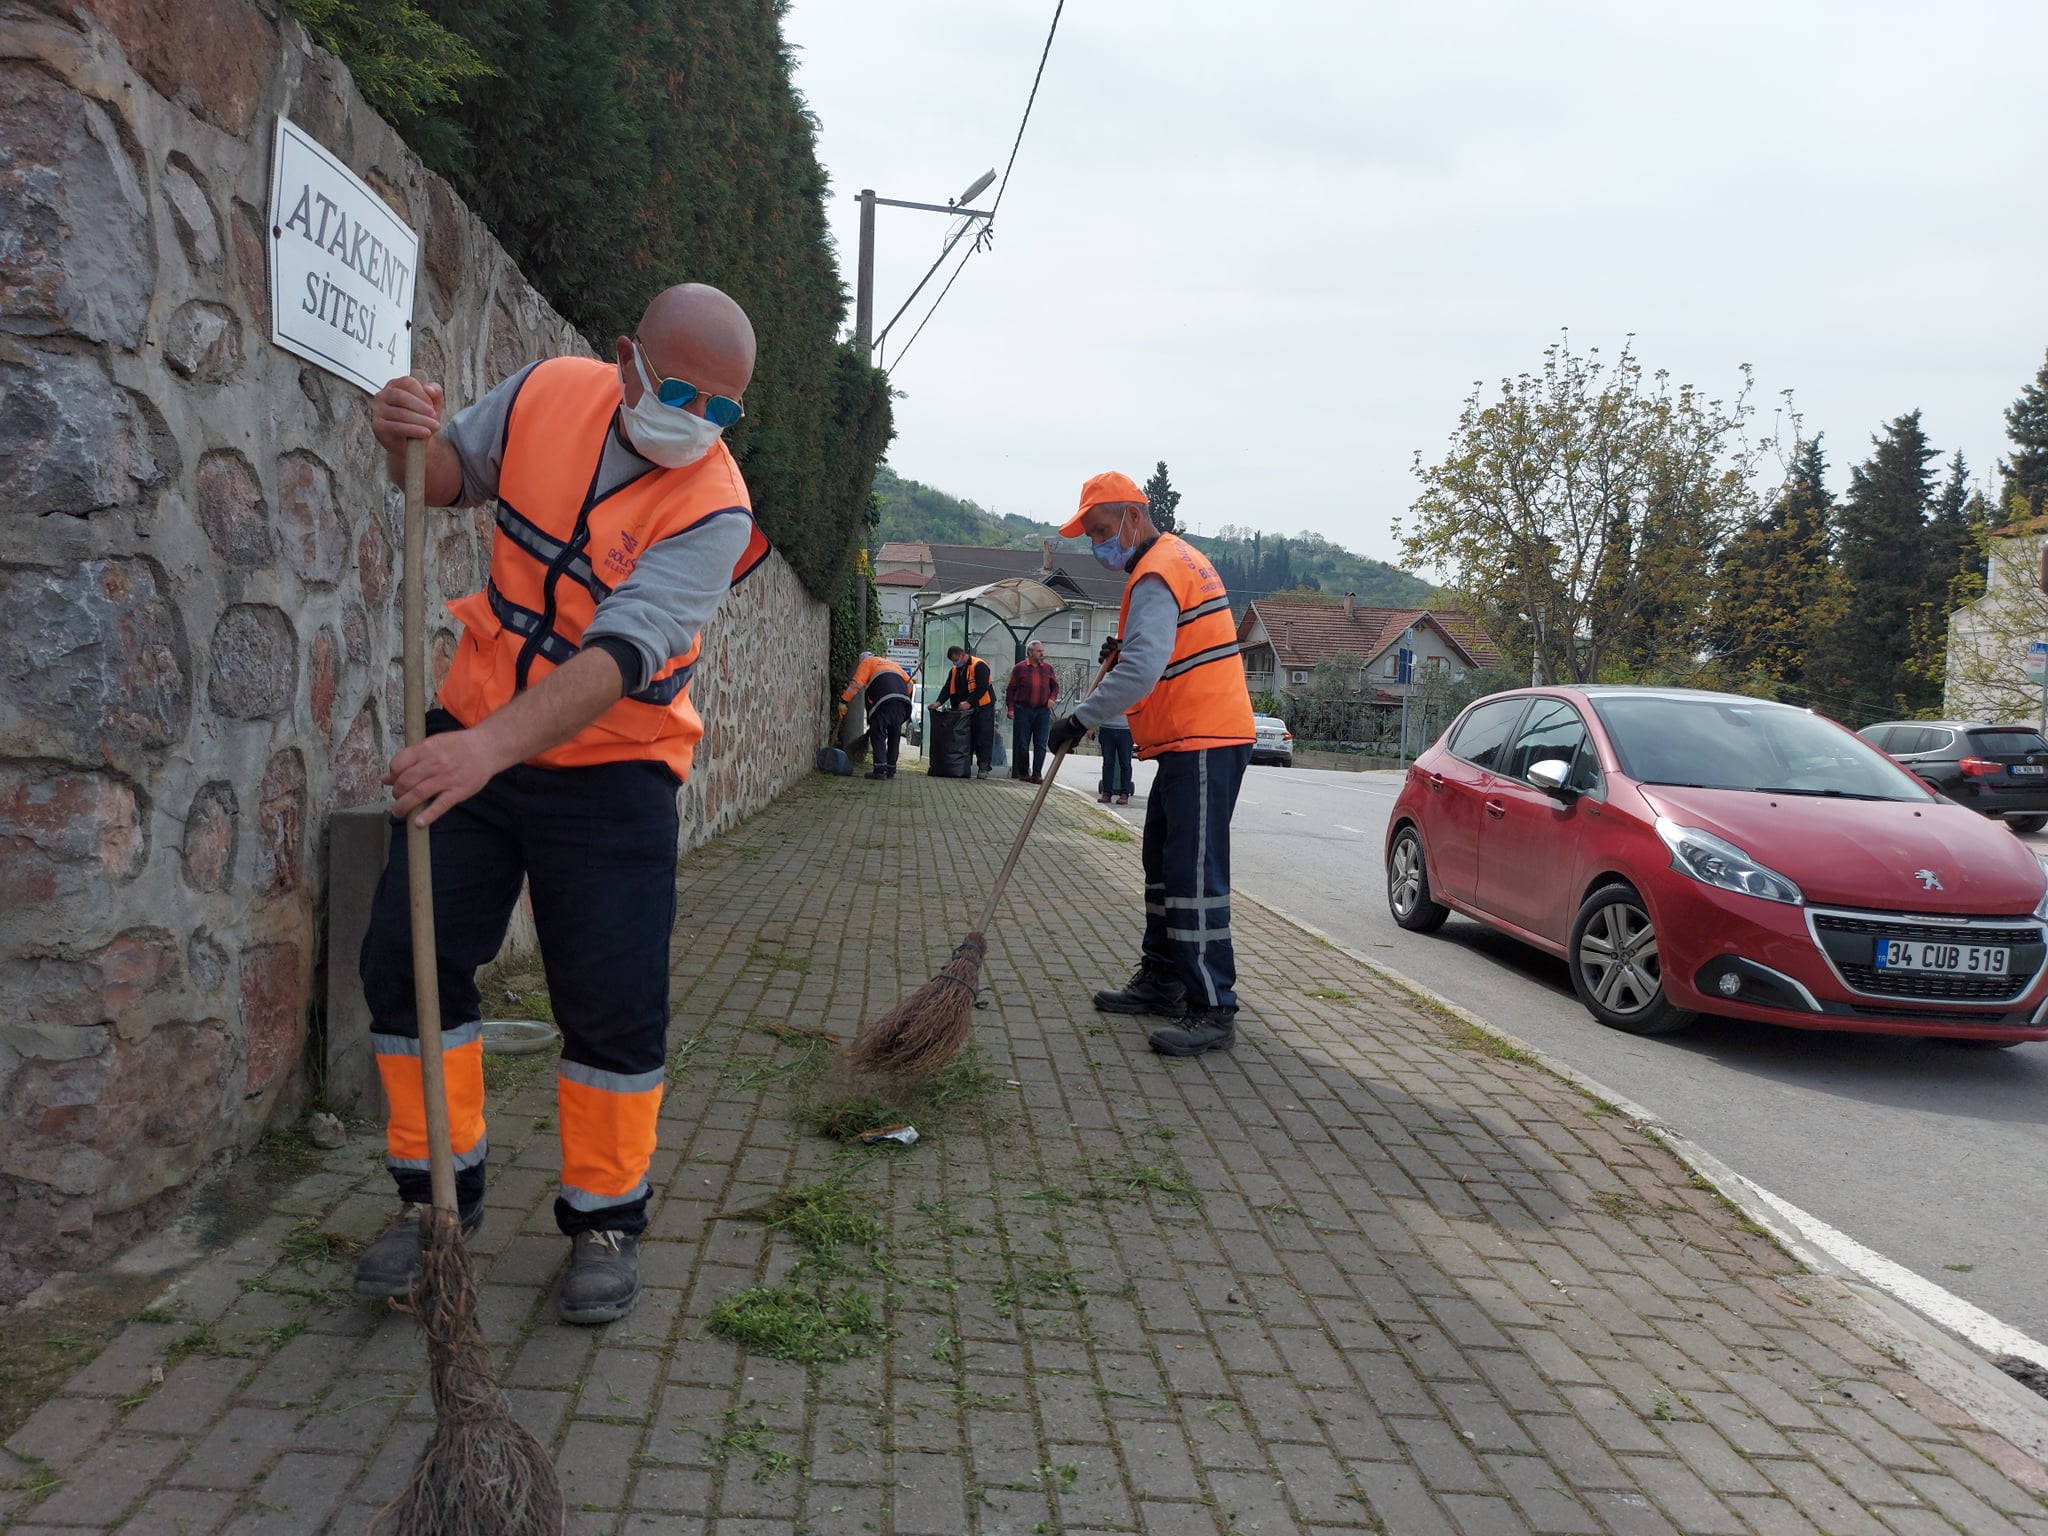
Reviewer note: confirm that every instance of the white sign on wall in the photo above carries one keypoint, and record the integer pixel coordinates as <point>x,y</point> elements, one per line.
<point>342,266</point>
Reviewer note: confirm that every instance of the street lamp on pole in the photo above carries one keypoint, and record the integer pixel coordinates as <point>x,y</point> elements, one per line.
<point>864,285</point>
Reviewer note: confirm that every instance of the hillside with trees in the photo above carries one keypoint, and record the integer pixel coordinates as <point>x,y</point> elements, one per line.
<point>1252,563</point>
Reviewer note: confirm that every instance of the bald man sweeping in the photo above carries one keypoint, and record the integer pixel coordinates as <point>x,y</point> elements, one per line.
<point>563,729</point>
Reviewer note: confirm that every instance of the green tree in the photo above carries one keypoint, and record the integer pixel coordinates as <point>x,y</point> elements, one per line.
<point>402,59</point>
<point>1776,586</point>
<point>1866,661</point>
<point>1583,507</point>
<point>625,145</point>
<point>1161,499</point>
<point>2026,424</point>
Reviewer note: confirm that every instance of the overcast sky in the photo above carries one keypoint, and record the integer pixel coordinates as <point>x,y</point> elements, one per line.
<point>1275,244</point>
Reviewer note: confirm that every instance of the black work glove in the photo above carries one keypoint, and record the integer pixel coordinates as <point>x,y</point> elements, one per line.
<point>1066,733</point>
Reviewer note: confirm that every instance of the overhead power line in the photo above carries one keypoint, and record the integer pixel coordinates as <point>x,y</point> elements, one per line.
<point>987,234</point>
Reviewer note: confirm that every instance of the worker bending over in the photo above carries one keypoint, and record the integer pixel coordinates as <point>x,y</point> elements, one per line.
<point>885,693</point>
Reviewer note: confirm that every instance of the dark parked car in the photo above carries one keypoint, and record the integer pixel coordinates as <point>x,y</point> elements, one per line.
<point>1996,770</point>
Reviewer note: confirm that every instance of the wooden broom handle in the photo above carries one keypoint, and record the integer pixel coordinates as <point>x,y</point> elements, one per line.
<point>426,975</point>
<point>995,895</point>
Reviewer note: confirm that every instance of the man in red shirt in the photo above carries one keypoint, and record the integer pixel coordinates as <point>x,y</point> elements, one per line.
<point>1027,699</point>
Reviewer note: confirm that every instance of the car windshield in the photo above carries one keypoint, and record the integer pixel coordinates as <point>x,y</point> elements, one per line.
<point>2008,743</point>
<point>1722,743</point>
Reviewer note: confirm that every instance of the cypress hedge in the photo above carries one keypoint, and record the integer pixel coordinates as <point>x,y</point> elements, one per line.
<point>617,146</point>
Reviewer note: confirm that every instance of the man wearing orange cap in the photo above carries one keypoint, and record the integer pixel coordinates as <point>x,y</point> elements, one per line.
<point>1178,679</point>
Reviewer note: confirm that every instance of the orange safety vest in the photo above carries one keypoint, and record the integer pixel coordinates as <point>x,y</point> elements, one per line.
<point>963,679</point>
<point>1201,699</point>
<point>868,671</point>
<point>561,549</point>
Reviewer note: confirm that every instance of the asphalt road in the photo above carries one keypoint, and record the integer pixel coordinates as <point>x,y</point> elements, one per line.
<point>1932,1155</point>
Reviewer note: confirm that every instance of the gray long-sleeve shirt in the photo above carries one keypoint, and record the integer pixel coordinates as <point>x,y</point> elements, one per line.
<point>678,583</point>
<point>1145,647</point>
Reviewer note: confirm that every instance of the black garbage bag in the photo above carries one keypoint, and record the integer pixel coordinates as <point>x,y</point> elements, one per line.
<point>949,745</point>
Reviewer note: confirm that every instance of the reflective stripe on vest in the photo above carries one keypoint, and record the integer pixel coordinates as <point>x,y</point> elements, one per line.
<point>560,549</point>
<point>1201,699</point>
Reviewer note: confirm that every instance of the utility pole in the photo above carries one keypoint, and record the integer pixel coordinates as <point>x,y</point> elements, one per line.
<point>864,282</point>
<point>864,293</point>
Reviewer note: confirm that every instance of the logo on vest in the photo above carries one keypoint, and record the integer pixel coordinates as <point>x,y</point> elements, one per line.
<point>620,561</point>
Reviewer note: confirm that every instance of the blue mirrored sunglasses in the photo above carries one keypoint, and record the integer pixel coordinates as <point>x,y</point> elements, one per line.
<point>719,410</point>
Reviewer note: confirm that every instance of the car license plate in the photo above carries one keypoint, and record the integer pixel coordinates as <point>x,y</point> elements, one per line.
<point>1933,955</point>
<point>2027,768</point>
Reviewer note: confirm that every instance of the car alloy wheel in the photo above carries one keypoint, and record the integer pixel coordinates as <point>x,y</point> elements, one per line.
<point>1616,969</point>
<point>1408,895</point>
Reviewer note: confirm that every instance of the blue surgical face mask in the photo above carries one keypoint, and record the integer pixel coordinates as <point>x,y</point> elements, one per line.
<point>1111,551</point>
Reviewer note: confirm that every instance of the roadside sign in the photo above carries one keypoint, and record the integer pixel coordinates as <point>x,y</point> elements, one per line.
<point>342,265</point>
<point>2036,661</point>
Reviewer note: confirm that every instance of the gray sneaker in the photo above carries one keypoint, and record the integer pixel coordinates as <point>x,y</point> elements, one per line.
<point>390,1265</point>
<point>603,1278</point>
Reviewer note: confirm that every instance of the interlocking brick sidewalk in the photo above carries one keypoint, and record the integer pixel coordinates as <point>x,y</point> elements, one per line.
<point>1363,1275</point>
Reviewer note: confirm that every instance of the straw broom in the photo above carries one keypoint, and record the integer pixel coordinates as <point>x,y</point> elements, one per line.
<point>926,1029</point>
<point>481,1474</point>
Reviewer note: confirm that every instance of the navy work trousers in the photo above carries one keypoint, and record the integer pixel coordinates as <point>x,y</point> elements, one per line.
<point>597,848</point>
<point>1187,869</point>
<point>885,729</point>
<point>982,727</point>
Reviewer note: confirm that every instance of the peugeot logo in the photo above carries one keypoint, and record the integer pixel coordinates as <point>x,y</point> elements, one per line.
<point>1929,880</point>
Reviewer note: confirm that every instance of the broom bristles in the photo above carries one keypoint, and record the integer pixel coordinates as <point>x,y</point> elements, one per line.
<point>926,1029</point>
<point>482,1473</point>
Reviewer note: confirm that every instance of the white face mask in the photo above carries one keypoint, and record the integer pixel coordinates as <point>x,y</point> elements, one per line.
<point>666,434</point>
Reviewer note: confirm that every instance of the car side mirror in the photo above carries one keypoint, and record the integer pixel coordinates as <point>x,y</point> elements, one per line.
<point>1549,776</point>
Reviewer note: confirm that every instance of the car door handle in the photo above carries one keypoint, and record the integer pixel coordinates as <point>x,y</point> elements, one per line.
<point>1436,780</point>
<point>1495,809</point>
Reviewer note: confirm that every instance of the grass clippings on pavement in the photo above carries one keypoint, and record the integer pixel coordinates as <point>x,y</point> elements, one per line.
<point>807,1327</point>
<point>962,1094</point>
<point>824,1219</point>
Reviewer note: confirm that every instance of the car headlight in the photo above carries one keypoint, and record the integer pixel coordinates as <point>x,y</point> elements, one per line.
<point>2041,906</point>
<point>1717,862</point>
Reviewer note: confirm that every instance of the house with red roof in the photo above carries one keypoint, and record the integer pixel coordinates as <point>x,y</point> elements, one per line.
<point>1283,641</point>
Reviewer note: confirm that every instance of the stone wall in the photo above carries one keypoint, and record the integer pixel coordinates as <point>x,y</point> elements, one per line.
<point>198,598</point>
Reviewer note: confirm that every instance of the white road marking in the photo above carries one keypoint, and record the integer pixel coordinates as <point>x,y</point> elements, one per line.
<point>1969,1320</point>
<point>1798,1228</point>
<point>1360,831</point>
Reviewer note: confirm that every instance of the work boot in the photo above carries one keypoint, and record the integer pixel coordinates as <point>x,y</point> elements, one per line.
<point>1153,988</point>
<point>878,773</point>
<point>1204,1029</point>
<point>603,1278</point>
<point>982,772</point>
<point>390,1265</point>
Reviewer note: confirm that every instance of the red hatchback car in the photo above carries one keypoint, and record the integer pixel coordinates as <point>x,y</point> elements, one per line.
<point>1690,852</point>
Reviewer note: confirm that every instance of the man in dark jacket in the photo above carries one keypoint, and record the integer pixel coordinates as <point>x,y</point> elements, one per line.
<point>969,687</point>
